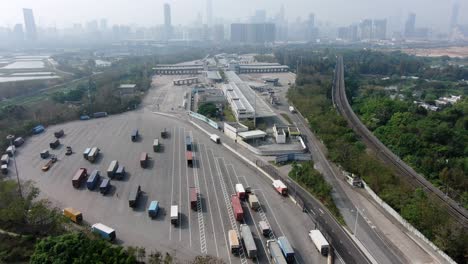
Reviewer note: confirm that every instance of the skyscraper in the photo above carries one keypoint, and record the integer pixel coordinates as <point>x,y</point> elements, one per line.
<point>410,25</point>
<point>18,33</point>
<point>167,21</point>
<point>454,17</point>
<point>30,24</point>
<point>253,33</point>
<point>365,28</point>
<point>380,29</point>
<point>209,13</point>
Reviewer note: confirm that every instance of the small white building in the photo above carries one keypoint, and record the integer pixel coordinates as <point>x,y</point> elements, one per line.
<point>280,135</point>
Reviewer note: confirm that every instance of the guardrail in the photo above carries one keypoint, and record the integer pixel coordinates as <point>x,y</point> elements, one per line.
<point>204,119</point>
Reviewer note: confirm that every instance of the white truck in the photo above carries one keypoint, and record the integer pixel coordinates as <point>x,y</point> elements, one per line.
<point>319,241</point>
<point>174,214</point>
<point>215,138</point>
<point>291,109</point>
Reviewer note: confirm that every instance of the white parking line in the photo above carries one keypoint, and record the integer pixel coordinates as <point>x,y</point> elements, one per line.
<point>172,177</point>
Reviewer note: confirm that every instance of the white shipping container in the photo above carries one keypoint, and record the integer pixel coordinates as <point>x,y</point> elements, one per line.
<point>319,241</point>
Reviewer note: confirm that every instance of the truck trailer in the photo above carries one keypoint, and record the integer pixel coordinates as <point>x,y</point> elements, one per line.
<point>286,248</point>
<point>133,196</point>
<point>93,180</point>
<point>73,214</point>
<point>193,198</point>
<point>249,242</point>
<point>144,159</point>
<point>233,242</point>
<point>120,172</point>
<point>280,187</point>
<point>320,242</point>
<point>93,154</point>
<point>79,177</point>
<point>253,202</point>
<point>237,208</point>
<point>275,252</point>
<point>18,141</point>
<point>105,186</point>
<point>103,231</point>
<point>86,153</point>
<point>134,136</point>
<point>265,228</point>
<point>189,157</point>
<point>112,168</point>
<point>153,209</point>
<point>240,191</point>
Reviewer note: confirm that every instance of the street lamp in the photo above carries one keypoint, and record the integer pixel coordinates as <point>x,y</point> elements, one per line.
<point>355,222</point>
<point>10,138</point>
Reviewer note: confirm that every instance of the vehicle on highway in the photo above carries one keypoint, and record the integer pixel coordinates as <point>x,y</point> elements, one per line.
<point>233,242</point>
<point>133,196</point>
<point>69,151</point>
<point>79,177</point>
<point>86,153</point>
<point>4,169</point>
<point>156,145</point>
<point>93,154</point>
<point>112,168</point>
<point>193,198</point>
<point>240,191</point>
<point>280,187</point>
<point>59,133</point>
<point>215,138</point>
<point>237,208</point>
<point>164,133</point>
<point>253,202</point>
<point>319,241</point>
<point>153,209</point>
<point>188,143</point>
<point>47,166</point>
<point>18,142</point>
<point>103,231</point>
<point>54,144</point>
<point>144,159</point>
<point>73,214</point>
<point>134,135</point>
<point>174,214</point>
<point>275,252</point>
<point>5,159</point>
<point>189,156</point>
<point>44,154</point>
<point>265,228</point>
<point>249,242</point>
<point>93,180</point>
<point>286,248</point>
<point>120,172</point>
<point>104,187</point>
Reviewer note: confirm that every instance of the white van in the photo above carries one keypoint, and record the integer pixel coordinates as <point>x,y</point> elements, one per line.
<point>174,214</point>
<point>215,138</point>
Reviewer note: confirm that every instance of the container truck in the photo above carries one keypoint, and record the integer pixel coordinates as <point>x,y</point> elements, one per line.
<point>144,159</point>
<point>5,159</point>
<point>99,114</point>
<point>86,153</point>
<point>134,135</point>
<point>240,191</point>
<point>265,227</point>
<point>249,243</point>
<point>174,214</point>
<point>54,144</point>
<point>112,168</point>
<point>286,248</point>
<point>156,146</point>
<point>105,186</point>
<point>215,138</point>
<point>120,172</point>
<point>253,202</point>
<point>237,208</point>
<point>18,142</point>
<point>11,150</point>
<point>319,241</point>
<point>233,242</point>
<point>73,214</point>
<point>93,154</point>
<point>133,196</point>
<point>103,231</point>
<point>59,133</point>
<point>275,252</point>
<point>153,209</point>
<point>189,156</point>
<point>280,187</point>
<point>193,198</point>
<point>44,154</point>
<point>79,177</point>
<point>188,143</point>
<point>93,180</point>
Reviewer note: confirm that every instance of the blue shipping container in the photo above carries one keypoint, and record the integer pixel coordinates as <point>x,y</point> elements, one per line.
<point>288,251</point>
<point>93,180</point>
<point>105,186</point>
<point>153,209</point>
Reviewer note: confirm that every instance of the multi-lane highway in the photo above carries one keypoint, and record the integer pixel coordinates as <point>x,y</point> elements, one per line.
<point>341,102</point>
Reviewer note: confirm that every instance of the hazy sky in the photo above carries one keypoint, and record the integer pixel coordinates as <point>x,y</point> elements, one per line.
<point>434,13</point>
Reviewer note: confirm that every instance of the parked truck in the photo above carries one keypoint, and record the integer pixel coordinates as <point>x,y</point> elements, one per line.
<point>93,180</point>
<point>112,168</point>
<point>174,214</point>
<point>133,196</point>
<point>54,144</point>
<point>86,153</point>
<point>253,202</point>
<point>319,241</point>
<point>18,141</point>
<point>156,145</point>
<point>79,177</point>
<point>275,252</point>
<point>11,151</point>
<point>73,214</point>
<point>286,248</point>
<point>164,133</point>
<point>93,154</point>
<point>105,186</point>
<point>265,228</point>
<point>189,156</point>
<point>215,138</point>
<point>237,208</point>
<point>44,154</point>
<point>233,242</point>
<point>4,169</point>
<point>240,191</point>
<point>5,159</point>
<point>188,143</point>
<point>59,133</point>
<point>249,242</point>
<point>134,135</point>
<point>144,159</point>
<point>280,187</point>
<point>153,209</point>
<point>103,231</point>
<point>193,198</point>
<point>120,172</point>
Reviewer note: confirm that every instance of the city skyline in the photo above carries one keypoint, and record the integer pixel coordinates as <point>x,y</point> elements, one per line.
<point>61,14</point>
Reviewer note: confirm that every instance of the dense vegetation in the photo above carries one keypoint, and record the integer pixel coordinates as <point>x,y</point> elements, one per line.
<point>208,110</point>
<point>312,96</point>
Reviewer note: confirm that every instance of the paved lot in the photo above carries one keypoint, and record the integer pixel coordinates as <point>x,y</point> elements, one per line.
<point>167,180</point>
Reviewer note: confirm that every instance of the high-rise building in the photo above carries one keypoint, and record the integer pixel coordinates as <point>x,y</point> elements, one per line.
<point>18,33</point>
<point>103,24</point>
<point>311,30</point>
<point>259,17</point>
<point>167,21</point>
<point>380,29</point>
<point>218,32</point>
<point>454,16</point>
<point>366,29</point>
<point>410,25</point>
<point>253,33</point>
<point>30,24</point>
<point>209,13</point>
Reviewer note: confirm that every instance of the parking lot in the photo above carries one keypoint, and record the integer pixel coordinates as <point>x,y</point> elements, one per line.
<point>167,179</point>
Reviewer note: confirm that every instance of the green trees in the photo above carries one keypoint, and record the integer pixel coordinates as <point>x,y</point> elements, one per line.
<point>208,110</point>
<point>77,248</point>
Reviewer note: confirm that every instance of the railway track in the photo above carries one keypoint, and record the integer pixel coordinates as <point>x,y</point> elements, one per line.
<point>341,103</point>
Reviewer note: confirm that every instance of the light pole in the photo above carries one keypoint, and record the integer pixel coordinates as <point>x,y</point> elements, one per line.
<point>10,138</point>
<point>355,222</point>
